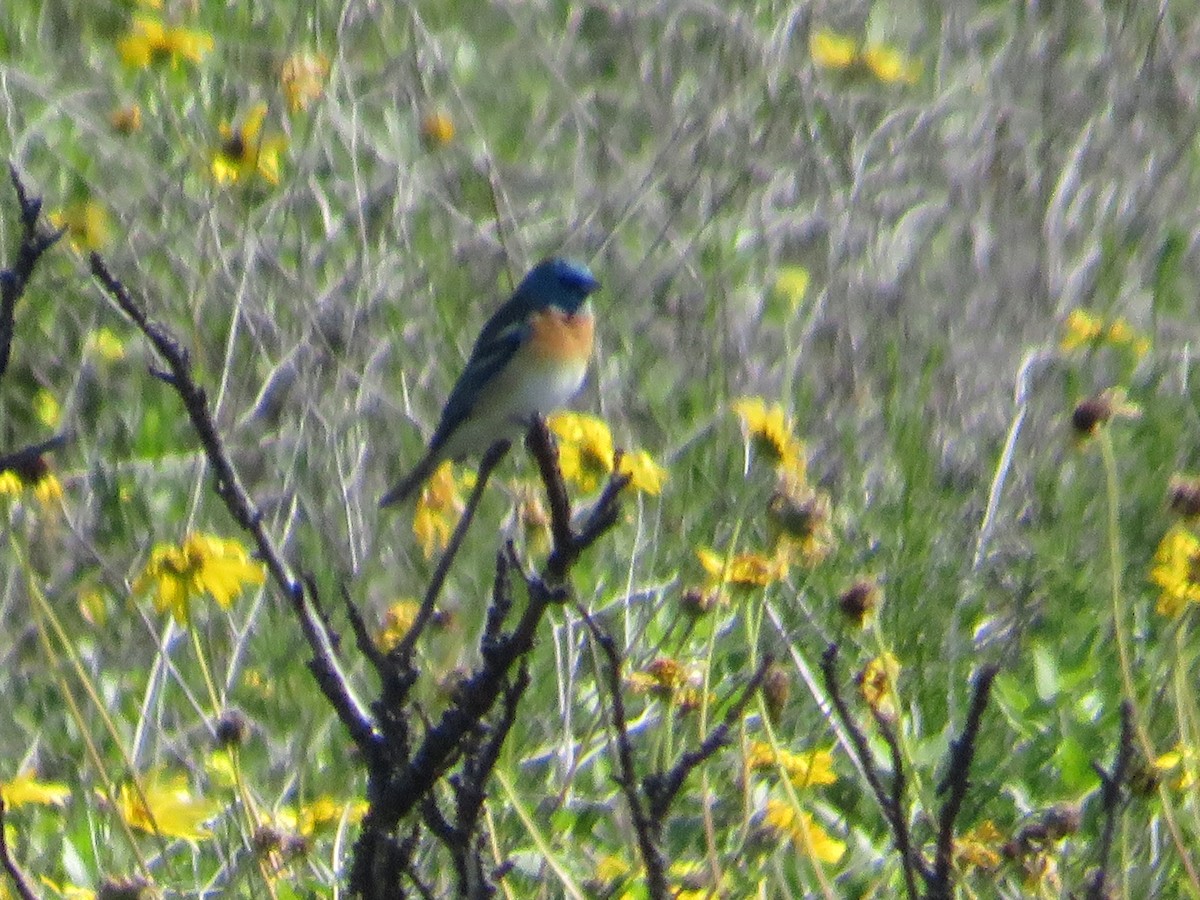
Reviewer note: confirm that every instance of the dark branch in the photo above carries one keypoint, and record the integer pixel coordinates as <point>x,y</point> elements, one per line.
<point>323,663</point>
<point>28,462</point>
<point>15,875</point>
<point>401,655</point>
<point>646,828</point>
<point>956,784</point>
<point>14,280</point>
<point>888,801</point>
<point>662,788</point>
<point>398,783</point>
<point>1110,799</point>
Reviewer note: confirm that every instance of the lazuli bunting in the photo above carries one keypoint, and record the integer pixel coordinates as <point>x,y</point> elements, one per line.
<point>530,359</point>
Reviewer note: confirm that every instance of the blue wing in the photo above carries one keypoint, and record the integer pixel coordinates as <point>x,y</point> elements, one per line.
<point>499,341</point>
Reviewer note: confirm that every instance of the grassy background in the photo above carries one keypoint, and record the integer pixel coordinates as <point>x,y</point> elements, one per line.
<point>1044,161</point>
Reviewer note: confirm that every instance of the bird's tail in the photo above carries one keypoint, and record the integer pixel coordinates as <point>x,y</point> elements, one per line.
<point>411,483</point>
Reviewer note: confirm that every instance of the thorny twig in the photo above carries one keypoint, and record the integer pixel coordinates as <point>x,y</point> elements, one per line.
<point>402,654</point>
<point>1110,798</point>
<point>659,789</point>
<point>399,781</point>
<point>323,664</point>
<point>19,879</point>
<point>956,783</point>
<point>910,861</point>
<point>13,280</point>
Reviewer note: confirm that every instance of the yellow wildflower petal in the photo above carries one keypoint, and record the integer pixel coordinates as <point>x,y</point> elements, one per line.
<point>644,473</point>
<point>877,683</point>
<point>10,484</point>
<point>437,130</point>
<point>890,65</point>
<point>302,78</point>
<point>803,769</point>
<point>782,818</point>
<point>48,490</point>
<point>745,569</point>
<point>168,809</point>
<point>1080,329</point>
<point>1176,569</point>
<point>980,847</point>
<point>791,282</point>
<point>830,50</point>
<point>26,789</point>
<point>396,622</point>
<point>87,223</point>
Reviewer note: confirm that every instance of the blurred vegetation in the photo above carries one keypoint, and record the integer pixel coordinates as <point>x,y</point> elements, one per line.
<point>880,216</point>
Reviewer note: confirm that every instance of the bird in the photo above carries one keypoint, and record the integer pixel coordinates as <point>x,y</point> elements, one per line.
<point>530,359</point>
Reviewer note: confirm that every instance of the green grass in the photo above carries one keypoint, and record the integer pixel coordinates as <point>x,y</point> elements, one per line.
<point>1042,163</point>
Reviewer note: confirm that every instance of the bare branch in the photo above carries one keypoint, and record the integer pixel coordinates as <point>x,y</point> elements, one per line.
<point>14,280</point>
<point>398,782</point>
<point>662,788</point>
<point>323,664</point>
<point>890,802</point>
<point>401,655</point>
<point>19,879</point>
<point>956,783</point>
<point>1110,799</point>
<point>647,829</point>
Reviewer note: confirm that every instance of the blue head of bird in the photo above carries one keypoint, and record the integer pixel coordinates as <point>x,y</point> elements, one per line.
<point>558,282</point>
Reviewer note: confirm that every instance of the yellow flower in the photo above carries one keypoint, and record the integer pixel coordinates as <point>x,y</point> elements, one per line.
<point>830,50</point>
<point>25,789</point>
<point>859,602</point>
<point>437,130</point>
<point>46,408</point>
<point>1182,763</point>
<point>323,812</point>
<point>1080,329</point>
<point>48,489</point>
<point>126,119</point>
<point>10,484</point>
<point>980,847</point>
<point>105,345</point>
<point>616,879</point>
<point>87,223</point>
<point>396,622</point>
<point>440,505</point>
<point>889,65</point>
<point>791,282</point>
<point>841,53</point>
<point>585,452</point>
<point>1086,329</point>
<point>770,432</point>
<point>245,151</point>
<point>670,680</point>
<point>150,41</point>
<point>644,473</point>
<point>1176,570</point>
<point>303,78</point>
<point>66,891</point>
<point>800,516</point>
<point>746,570</point>
<point>202,564</point>
<point>877,682</point>
<point>166,806</point>
<point>802,769</point>
<point>782,819</point>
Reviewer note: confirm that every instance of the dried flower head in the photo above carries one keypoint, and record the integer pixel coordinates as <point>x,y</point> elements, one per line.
<point>859,602</point>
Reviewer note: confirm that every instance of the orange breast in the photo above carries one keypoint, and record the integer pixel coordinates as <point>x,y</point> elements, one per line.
<point>562,337</point>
